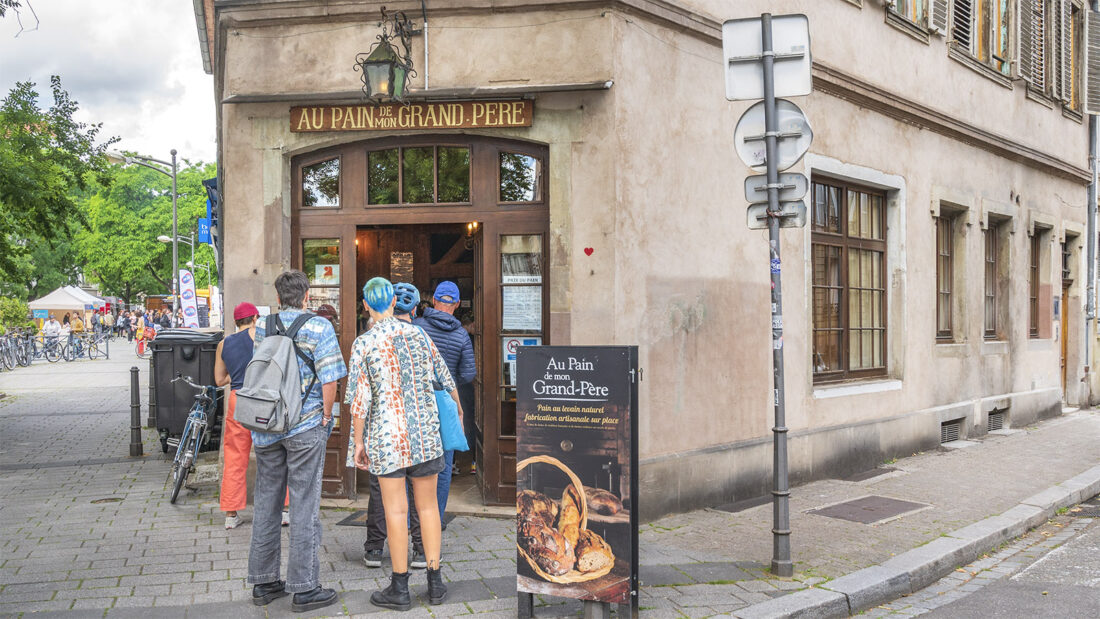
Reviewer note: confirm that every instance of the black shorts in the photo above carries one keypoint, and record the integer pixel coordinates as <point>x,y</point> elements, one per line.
<point>424,469</point>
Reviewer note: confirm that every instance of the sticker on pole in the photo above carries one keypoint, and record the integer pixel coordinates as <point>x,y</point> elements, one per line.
<point>743,49</point>
<point>795,136</point>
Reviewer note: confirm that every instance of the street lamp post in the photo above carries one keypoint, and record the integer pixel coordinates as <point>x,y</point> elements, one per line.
<point>205,267</point>
<point>148,162</point>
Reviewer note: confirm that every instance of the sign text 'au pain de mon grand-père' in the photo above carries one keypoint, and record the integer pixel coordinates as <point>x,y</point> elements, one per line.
<point>395,116</point>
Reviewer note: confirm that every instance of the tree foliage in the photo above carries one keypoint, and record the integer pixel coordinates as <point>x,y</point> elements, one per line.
<point>118,248</point>
<point>46,157</point>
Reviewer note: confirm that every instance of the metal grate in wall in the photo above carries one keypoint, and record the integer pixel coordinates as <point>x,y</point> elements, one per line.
<point>996,421</point>
<point>950,430</point>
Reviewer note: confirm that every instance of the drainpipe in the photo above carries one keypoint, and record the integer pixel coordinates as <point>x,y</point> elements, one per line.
<point>1090,292</point>
<point>424,14</point>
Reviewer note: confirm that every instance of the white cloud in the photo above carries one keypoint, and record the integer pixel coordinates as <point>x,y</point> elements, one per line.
<point>134,66</point>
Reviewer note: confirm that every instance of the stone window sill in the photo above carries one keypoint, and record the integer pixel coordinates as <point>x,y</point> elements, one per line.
<point>964,58</point>
<point>841,390</point>
<point>1039,96</point>
<point>994,347</point>
<point>903,24</point>
<point>1073,114</point>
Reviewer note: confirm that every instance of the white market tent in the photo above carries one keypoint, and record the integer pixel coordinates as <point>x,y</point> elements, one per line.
<point>95,302</point>
<point>60,299</point>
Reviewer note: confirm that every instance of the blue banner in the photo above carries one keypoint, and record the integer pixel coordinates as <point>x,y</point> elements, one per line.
<point>204,230</point>
<point>41,314</point>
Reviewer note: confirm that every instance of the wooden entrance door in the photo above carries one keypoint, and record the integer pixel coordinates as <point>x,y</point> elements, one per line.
<point>516,313</point>
<point>1064,328</point>
<point>322,253</point>
<point>397,194</point>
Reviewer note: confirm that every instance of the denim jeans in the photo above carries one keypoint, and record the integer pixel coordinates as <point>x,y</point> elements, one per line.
<point>295,462</point>
<point>443,486</point>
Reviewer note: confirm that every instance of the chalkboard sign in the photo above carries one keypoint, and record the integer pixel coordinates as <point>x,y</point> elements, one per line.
<point>577,472</point>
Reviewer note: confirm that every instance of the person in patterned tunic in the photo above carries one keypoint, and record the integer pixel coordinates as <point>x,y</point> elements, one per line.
<point>396,430</point>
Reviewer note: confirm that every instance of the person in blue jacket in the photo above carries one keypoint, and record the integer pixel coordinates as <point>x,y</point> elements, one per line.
<point>453,342</point>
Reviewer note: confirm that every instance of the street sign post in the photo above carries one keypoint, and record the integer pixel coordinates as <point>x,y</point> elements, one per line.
<point>768,58</point>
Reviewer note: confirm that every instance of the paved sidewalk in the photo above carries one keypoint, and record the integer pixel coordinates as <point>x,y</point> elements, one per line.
<point>64,434</point>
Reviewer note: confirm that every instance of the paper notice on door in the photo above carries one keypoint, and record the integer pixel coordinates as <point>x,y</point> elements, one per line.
<point>522,308</point>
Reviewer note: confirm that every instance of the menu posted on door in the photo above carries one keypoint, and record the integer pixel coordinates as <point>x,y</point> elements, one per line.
<point>577,472</point>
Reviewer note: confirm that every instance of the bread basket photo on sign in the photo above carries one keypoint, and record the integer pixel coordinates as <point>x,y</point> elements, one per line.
<point>553,538</point>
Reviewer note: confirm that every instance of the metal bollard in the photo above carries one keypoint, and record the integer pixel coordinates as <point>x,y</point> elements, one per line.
<point>135,415</point>
<point>151,422</point>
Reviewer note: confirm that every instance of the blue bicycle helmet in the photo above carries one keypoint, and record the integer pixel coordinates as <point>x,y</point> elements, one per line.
<point>408,297</point>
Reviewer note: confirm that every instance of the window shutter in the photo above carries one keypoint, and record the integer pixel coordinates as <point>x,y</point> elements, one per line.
<point>1065,50</point>
<point>1092,62</point>
<point>937,18</point>
<point>1031,42</point>
<point>962,23</point>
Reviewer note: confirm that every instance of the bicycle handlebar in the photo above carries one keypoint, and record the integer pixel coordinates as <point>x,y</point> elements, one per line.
<point>187,379</point>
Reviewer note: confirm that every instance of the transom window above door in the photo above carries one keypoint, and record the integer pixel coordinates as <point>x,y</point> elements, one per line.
<point>419,175</point>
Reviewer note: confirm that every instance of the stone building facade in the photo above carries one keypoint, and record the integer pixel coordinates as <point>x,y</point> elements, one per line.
<point>938,288</point>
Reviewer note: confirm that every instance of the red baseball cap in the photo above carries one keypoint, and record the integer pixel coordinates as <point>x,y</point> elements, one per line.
<point>245,310</point>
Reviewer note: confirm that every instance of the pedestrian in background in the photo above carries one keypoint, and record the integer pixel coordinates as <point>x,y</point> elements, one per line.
<point>397,434</point>
<point>294,460</point>
<point>453,342</point>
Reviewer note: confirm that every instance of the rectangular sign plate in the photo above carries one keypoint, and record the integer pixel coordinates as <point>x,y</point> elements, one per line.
<point>742,49</point>
<point>795,186</point>
<point>794,215</point>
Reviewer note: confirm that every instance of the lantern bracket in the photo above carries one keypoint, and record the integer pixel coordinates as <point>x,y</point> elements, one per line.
<point>400,27</point>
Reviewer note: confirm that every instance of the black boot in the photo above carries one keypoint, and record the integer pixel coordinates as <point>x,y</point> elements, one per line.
<point>262,595</point>
<point>310,600</point>
<point>395,596</point>
<point>436,589</point>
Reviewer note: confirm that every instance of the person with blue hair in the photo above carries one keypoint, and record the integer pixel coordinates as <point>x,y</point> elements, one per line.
<point>396,432</point>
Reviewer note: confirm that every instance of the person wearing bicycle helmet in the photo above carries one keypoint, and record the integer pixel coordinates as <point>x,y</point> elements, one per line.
<point>406,297</point>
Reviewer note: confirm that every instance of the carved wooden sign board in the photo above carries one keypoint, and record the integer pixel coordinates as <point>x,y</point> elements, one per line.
<point>415,116</point>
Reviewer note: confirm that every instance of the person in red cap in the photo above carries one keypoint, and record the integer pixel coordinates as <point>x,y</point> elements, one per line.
<point>234,353</point>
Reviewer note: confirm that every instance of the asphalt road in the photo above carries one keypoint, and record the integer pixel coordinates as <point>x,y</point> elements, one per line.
<point>1064,582</point>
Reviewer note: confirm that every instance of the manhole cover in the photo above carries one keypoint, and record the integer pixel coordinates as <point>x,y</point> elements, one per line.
<point>865,475</point>
<point>869,509</point>
<point>110,499</point>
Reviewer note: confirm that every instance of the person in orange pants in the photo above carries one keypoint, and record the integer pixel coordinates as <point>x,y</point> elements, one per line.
<point>233,355</point>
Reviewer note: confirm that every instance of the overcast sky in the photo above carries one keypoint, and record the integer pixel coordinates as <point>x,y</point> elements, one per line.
<point>133,65</point>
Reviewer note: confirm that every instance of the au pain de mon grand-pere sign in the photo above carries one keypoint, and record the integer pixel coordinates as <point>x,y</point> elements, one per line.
<point>395,116</point>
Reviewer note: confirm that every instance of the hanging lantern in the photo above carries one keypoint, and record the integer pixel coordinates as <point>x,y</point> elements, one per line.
<point>385,73</point>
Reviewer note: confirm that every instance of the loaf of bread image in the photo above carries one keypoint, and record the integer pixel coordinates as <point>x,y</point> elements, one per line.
<point>593,553</point>
<point>602,502</point>
<point>531,506</point>
<point>569,518</point>
<point>546,546</point>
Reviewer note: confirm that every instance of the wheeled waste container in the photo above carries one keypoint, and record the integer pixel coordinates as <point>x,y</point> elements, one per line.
<point>183,352</point>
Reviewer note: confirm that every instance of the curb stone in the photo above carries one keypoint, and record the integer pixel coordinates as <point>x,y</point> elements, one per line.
<point>915,569</point>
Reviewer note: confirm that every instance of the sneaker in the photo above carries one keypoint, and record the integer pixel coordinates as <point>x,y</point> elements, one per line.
<point>473,469</point>
<point>418,562</point>
<point>286,519</point>
<point>373,558</point>
<point>232,522</point>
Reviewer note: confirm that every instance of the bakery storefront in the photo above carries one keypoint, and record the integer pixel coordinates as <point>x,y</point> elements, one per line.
<point>426,208</point>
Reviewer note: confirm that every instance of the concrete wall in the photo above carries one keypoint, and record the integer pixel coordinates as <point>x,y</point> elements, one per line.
<point>645,174</point>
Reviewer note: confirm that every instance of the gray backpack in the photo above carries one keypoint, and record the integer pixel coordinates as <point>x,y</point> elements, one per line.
<point>271,398</point>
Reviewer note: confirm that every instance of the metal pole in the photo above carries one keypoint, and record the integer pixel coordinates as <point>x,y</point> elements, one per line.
<point>151,419</point>
<point>781,528</point>
<point>175,246</point>
<point>135,414</point>
<point>1090,238</point>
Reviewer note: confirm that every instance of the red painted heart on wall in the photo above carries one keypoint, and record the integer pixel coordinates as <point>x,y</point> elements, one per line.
<point>588,251</point>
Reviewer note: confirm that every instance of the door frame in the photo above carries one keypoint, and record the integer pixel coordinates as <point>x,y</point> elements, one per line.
<point>494,218</point>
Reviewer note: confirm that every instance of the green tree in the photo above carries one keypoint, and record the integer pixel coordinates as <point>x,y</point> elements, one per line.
<point>13,313</point>
<point>42,268</point>
<point>45,157</point>
<point>119,250</point>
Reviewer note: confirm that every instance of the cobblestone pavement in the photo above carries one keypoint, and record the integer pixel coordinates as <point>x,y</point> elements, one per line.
<point>85,529</point>
<point>998,565</point>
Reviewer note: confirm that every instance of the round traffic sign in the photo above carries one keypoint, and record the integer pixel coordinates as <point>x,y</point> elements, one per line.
<point>795,136</point>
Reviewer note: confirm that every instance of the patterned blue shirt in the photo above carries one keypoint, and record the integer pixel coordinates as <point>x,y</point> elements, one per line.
<point>317,340</point>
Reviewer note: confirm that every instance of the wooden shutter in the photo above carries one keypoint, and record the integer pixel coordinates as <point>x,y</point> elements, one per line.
<point>1031,42</point>
<point>1092,62</point>
<point>937,18</point>
<point>1064,59</point>
<point>962,23</point>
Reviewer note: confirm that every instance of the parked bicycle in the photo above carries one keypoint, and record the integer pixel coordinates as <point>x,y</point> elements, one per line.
<point>7,352</point>
<point>196,433</point>
<point>98,346</point>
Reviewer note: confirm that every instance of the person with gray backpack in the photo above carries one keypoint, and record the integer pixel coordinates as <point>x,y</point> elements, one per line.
<point>286,401</point>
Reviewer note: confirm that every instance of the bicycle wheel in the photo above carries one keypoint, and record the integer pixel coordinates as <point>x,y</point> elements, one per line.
<point>181,465</point>
<point>93,349</point>
<point>53,352</point>
<point>8,355</point>
<point>22,354</point>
